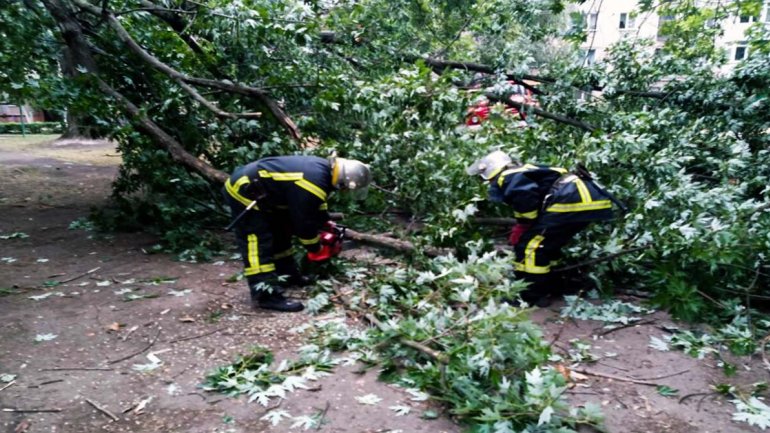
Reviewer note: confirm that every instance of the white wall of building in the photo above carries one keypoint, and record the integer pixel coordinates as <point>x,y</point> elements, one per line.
<point>609,21</point>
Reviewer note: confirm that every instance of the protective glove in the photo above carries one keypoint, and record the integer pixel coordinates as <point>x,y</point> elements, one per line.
<point>516,233</point>
<point>323,254</point>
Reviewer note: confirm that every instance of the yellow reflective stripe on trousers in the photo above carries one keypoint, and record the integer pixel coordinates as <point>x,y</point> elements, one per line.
<point>310,241</point>
<point>528,264</point>
<point>526,215</point>
<point>253,258</point>
<point>298,179</point>
<point>233,189</point>
<point>283,254</point>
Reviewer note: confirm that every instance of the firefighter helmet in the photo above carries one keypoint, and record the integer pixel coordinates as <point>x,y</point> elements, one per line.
<point>490,165</point>
<point>350,174</point>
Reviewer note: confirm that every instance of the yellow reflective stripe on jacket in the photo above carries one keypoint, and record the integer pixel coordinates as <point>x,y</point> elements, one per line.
<point>310,241</point>
<point>253,258</point>
<point>324,206</point>
<point>283,254</point>
<point>280,176</point>
<point>528,264</point>
<point>585,195</point>
<point>298,179</point>
<point>579,207</point>
<point>312,188</point>
<point>586,202</point>
<point>526,215</point>
<point>233,190</point>
<point>525,167</point>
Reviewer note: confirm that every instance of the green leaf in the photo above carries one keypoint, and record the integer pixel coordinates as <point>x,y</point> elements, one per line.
<point>666,391</point>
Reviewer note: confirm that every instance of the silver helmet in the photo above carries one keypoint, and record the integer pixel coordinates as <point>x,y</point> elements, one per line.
<point>350,174</point>
<point>490,165</point>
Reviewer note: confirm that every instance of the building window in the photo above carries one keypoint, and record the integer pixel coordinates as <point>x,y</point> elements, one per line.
<point>592,20</point>
<point>747,19</point>
<point>590,57</point>
<point>626,21</point>
<point>662,26</point>
<point>740,52</point>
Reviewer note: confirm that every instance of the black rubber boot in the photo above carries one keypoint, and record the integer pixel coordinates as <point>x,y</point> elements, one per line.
<point>277,301</point>
<point>298,280</point>
<point>272,298</point>
<point>290,274</point>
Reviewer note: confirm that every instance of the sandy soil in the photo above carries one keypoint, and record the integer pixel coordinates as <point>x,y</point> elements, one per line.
<point>48,185</point>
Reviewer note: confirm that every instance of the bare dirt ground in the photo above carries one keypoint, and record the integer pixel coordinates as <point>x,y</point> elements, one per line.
<point>195,321</point>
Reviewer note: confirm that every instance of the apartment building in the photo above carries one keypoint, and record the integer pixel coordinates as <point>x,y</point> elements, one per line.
<point>608,21</point>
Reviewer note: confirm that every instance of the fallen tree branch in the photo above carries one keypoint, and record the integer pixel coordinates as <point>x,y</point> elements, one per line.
<point>77,369</point>
<point>436,355</point>
<point>212,107</point>
<point>11,409</point>
<point>193,337</point>
<point>602,259</point>
<point>139,352</point>
<point>81,275</point>
<point>177,151</point>
<point>542,113</point>
<point>613,377</point>
<point>665,375</point>
<point>230,86</point>
<point>102,409</point>
<point>396,244</point>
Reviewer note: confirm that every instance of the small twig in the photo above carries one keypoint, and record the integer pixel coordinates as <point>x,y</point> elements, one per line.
<point>81,275</point>
<point>11,409</point>
<point>763,346</point>
<point>102,409</point>
<point>77,369</point>
<point>10,384</point>
<point>664,376</point>
<point>438,356</point>
<point>627,325</point>
<point>323,415</point>
<point>695,394</point>
<point>48,382</point>
<point>613,377</point>
<point>602,259</point>
<point>192,337</point>
<point>138,352</point>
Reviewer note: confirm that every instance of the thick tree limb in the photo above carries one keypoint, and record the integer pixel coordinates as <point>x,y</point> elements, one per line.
<point>396,244</point>
<point>177,151</point>
<point>229,86</point>
<point>545,114</point>
<point>211,106</point>
<point>436,355</point>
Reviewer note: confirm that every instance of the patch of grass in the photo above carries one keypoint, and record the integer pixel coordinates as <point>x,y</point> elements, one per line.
<point>11,141</point>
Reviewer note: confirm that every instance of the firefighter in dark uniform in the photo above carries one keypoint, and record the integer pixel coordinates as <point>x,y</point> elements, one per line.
<point>287,195</point>
<point>550,205</point>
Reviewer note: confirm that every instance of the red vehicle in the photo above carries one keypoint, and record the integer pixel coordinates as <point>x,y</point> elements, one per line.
<point>479,111</point>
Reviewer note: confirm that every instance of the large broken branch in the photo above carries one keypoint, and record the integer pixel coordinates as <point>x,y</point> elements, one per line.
<point>542,113</point>
<point>212,106</point>
<point>229,86</point>
<point>395,244</point>
<point>177,151</point>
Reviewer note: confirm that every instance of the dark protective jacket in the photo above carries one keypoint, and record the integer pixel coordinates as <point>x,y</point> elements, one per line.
<point>298,185</point>
<point>549,195</point>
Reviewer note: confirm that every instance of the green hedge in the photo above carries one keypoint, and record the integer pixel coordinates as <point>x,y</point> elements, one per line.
<point>31,128</point>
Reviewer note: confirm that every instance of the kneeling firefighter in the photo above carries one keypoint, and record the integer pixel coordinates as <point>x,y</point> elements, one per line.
<point>273,199</point>
<point>550,206</point>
